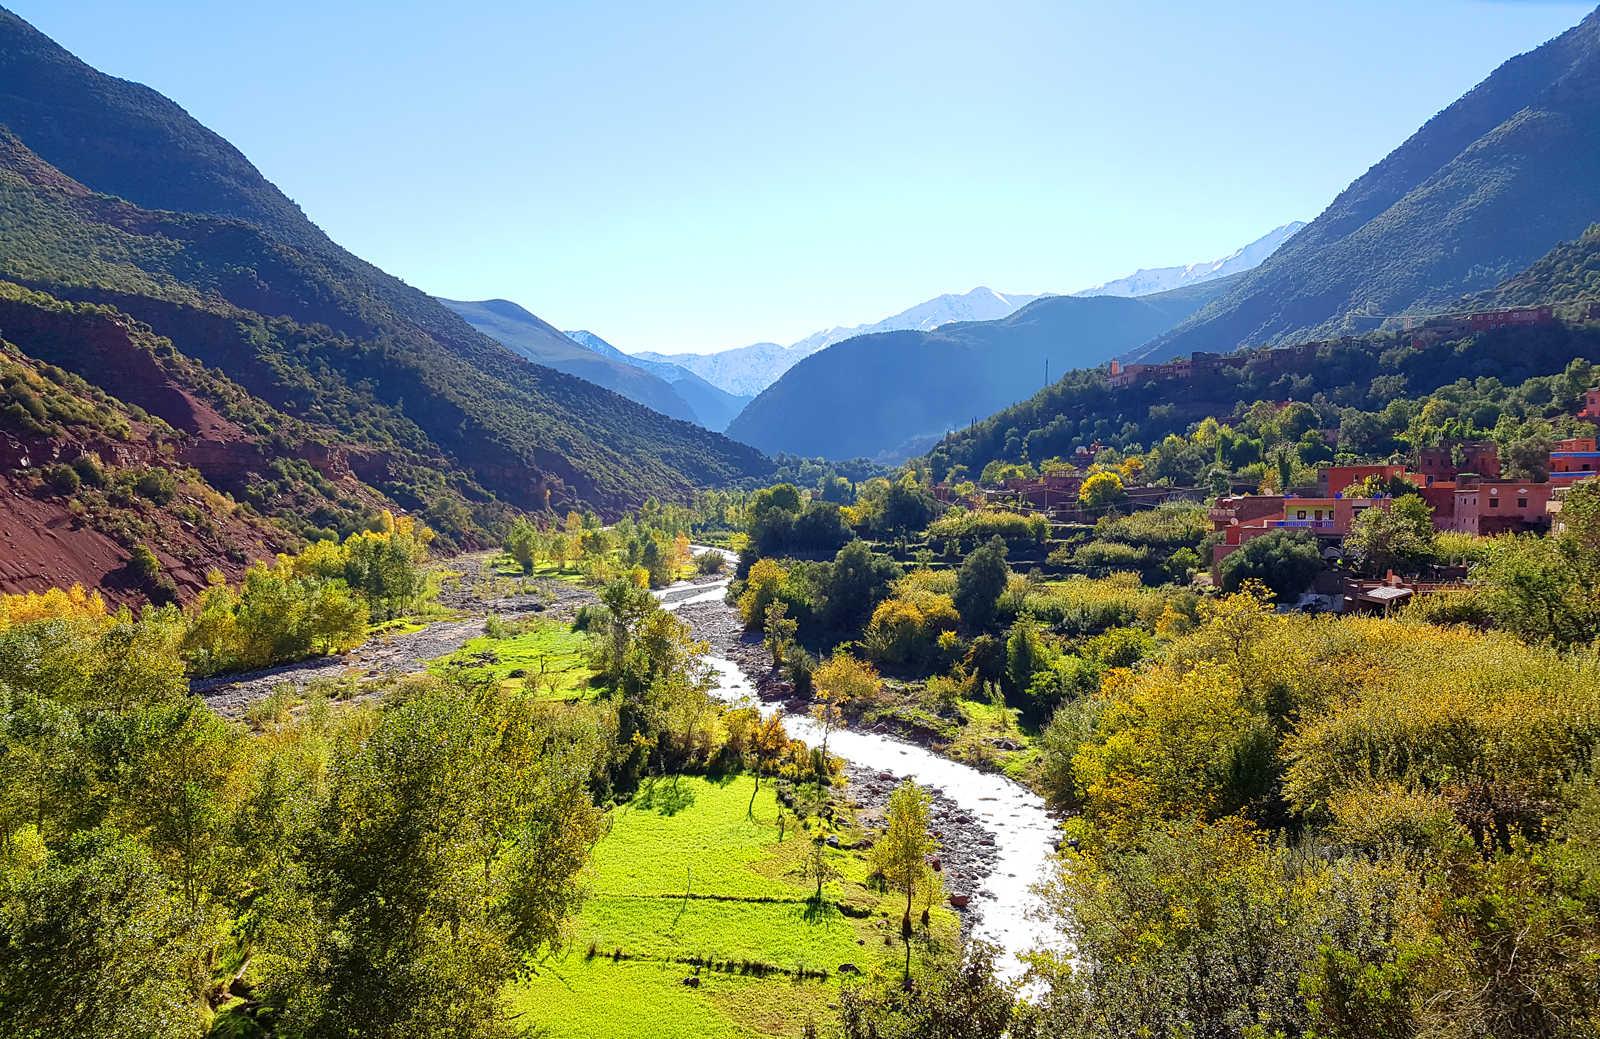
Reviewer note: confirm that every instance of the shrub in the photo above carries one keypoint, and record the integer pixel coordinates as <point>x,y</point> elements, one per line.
<point>63,479</point>
<point>1285,561</point>
<point>157,485</point>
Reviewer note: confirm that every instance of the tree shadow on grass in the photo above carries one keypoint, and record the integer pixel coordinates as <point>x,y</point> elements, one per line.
<point>820,913</point>
<point>664,797</point>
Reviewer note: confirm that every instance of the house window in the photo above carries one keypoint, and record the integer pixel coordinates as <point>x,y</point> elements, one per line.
<point>1494,503</point>
<point>1522,503</point>
<point>1300,515</point>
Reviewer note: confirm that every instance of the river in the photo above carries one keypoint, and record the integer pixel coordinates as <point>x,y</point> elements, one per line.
<point>1009,913</point>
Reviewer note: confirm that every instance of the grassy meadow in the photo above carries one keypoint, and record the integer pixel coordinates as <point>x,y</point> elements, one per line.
<point>690,872</point>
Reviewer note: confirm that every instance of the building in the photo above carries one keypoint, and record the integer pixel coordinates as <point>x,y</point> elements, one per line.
<point>1242,519</point>
<point>1480,457</point>
<point>1120,376</point>
<point>1515,317</point>
<point>1573,459</point>
<point>1510,507</point>
<point>1334,479</point>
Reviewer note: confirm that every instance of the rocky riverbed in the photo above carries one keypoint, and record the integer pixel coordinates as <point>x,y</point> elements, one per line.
<point>475,592</point>
<point>969,852</point>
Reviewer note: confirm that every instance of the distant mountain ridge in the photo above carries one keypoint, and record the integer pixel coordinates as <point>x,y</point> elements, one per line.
<point>1474,196</point>
<point>713,406</point>
<point>890,395</point>
<point>747,370</point>
<point>1163,279</point>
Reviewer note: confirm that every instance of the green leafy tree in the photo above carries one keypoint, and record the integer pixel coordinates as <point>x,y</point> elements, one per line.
<point>1399,538</point>
<point>980,582</point>
<point>1286,561</point>
<point>92,943</point>
<point>901,852</point>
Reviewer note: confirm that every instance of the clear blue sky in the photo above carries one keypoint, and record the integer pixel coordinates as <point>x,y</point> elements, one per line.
<point>692,176</point>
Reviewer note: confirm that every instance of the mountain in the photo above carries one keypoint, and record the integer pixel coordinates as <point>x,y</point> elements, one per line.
<point>112,196</point>
<point>713,407</point>
<point>533,338</point>
<point>747,370</point>
<point>743,371</point>
<point>889,395</point>
<point>980,304</point>
<point>1162,279</point>
<point>1482,190</point>
<point>1567,274</point>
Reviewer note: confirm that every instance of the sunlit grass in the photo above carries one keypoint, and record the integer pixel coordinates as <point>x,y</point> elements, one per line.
<point>690,870</point>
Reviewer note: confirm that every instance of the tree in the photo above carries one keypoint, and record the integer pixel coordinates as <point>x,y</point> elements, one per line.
<point>1102,491</point>
<point>818,866</point>
<point>857,581</point>
<point>964,999</point>
<point>92,944</point>
<point>901,852</point>
<point>1399,538</point>
<point>524,544</point>
<point>767,745</point>
<point>780,630</point>
<point>1025,655</point>
<point>1285,561</point>
<point>982,578</point>
<point>446,852</point>
<point>625,606</point>
<point>761,588</point>
<point>843,680</point>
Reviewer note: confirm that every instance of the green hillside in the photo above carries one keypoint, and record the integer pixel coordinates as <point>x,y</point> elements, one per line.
<point>1482,190</point>
<point>892,394</point>
<point>1363,373</point>
<point>243,282</point>
<point>1569,273</point>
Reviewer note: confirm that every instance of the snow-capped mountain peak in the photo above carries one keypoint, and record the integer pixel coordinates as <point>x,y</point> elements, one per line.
<point>1145,281</point>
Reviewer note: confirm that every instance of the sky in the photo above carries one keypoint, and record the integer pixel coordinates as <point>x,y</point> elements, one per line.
<point>687,176</point>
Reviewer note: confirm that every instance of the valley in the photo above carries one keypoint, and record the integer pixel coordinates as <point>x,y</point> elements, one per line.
<point>1211,652</point>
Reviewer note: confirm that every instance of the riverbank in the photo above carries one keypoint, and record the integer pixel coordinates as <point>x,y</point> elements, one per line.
<point>998,838</point>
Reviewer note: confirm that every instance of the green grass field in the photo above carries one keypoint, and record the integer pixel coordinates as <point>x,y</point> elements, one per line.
<point>686,873</point>
<point>547,658</point>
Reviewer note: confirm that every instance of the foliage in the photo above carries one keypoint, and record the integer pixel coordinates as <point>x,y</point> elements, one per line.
<point>1398,538</point>
<point>1285,561</point>
<point>979,583</point>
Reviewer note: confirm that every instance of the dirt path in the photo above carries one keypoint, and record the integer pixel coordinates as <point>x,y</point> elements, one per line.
<point>476,594</point>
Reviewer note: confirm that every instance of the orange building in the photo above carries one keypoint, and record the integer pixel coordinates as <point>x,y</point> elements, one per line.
<point>1506,506</point>
<point>1591,401</point>
<point>1335,478</point>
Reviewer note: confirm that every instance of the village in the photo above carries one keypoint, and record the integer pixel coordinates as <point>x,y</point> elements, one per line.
<point>1462,482</point>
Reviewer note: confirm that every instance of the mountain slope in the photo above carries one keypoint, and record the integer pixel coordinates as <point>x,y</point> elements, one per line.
<point>891,394</point>
<point>1163,279</point>
<point>248,285</point>
<point>1569,273</point>
<point>713,406</point>
<point>542,343</point>
<point>1482,190</point>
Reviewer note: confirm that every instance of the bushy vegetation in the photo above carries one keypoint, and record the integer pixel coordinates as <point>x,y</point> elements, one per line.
<point>1381,393</point>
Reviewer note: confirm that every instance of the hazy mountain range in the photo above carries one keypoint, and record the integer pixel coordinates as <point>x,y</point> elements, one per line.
<point>747,370</point>
<point>891,395</point>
